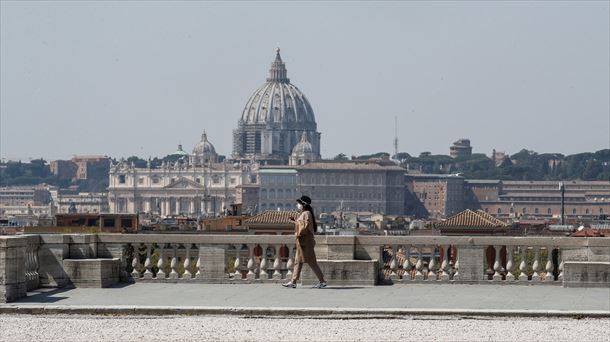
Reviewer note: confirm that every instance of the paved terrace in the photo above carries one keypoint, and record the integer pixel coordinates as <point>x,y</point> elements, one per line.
<point>272,299</point>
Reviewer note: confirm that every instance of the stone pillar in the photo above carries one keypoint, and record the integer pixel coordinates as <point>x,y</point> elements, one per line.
<point>54,248</point>
<point>472,263</point>
<point>12,268</point>
<point>212,265</point>
<point>178,205</point>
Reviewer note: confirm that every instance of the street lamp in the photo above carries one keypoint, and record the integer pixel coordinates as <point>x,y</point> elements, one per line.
<point>562,188</point>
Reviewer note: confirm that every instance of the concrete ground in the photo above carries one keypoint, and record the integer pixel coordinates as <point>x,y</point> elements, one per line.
<point>15,327</point>
<point>269,299</point>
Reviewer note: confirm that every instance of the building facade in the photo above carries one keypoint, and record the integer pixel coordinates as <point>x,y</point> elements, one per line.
<point>373,186</point>
<point>440,195</point>
<point>278,188</point>
<point>25,195</point>
<point>179,188</point>
<point>82,202</point>
<point>460,149</point>
<point>539,199</point>
<point>274,120</point>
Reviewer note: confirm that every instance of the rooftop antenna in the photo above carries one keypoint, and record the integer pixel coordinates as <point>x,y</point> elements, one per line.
<point>395,136</point>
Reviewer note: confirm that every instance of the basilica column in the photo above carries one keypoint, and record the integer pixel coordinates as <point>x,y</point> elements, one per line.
<point>178,200</point>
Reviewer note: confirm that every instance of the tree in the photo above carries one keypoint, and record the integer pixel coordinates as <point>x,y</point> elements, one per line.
<point>340,157</point>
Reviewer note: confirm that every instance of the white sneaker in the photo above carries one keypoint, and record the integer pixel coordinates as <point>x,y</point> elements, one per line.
<point>319,285</point>
<point>290,284</point>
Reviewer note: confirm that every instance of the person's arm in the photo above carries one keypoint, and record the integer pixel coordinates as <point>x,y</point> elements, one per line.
<point>303,223</point>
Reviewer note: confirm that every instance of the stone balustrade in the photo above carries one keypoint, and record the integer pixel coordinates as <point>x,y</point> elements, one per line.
<point>29,261</point>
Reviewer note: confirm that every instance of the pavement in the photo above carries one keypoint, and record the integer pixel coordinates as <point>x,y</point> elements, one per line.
<point>354,301</point>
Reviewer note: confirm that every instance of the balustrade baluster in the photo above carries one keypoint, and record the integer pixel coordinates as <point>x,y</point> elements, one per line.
<point>147,264</point>
<point>432,265</point>
<point>237,264</point>
<point>28,276</point>
<point>198,265</point>
<point>290,263</point>
<point>251,264</point>
<point>497,264</point>
<point>536,265</point>
<point>522,265</point>
<point>277,275</point>
<point>549,277</point>
<point>263,272</point>
<point>419,265</point>
<point>393,263</point>
<point>456,266</point>
<point>135,263</point>
<point>35,260</point>
<point>187,263</point>
<point>445,264</point>
<point>174,263</point>
<point>509,264</point>
<point>560,267</point>
<point>160,263</point>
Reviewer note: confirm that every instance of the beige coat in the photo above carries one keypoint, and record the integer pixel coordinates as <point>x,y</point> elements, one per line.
<point>305,242</point>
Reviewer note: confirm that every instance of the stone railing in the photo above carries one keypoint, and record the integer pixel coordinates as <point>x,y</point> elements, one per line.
<point>464,259</point>
<point>52,260</point>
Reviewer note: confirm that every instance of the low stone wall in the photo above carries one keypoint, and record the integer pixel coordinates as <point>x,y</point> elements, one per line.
<point>586,274</point>
<point>343,272</point>
<point>12,268</point>
<point>92,272</point>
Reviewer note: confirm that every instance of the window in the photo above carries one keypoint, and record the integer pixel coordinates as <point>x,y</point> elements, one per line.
<point>198,180</point>
<point>512,210</point>
<point>524,210</point>
<point>121,179</point>
<point>549,211</point>
<point>574,211</point>
<point>587,211</point>
<point>233,180</point>
<point>155,180</point>
<point>141,180</point>
<point>536,211</point>
<point>601,211</point>
<point>499,211</point>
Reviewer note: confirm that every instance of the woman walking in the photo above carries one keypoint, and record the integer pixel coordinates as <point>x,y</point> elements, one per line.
<point>304,228</point>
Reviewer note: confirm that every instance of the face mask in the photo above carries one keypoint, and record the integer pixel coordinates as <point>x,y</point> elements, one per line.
<point>299,206</point>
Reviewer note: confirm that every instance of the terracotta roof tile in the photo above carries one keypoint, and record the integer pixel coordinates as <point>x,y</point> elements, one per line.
<point>490,217</point>
<point>273,217</point>
<point>470,219</point>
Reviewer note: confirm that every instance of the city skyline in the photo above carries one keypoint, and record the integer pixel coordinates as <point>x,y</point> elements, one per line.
<point>507,76</point>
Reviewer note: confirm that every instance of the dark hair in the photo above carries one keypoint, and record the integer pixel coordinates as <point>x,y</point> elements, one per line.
<point>313,216</point>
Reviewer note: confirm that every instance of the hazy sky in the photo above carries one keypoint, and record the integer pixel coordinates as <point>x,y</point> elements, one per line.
<point>137,78</point>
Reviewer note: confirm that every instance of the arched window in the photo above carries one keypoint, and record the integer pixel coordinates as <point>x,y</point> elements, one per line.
<point>512,210</point>
<point>549,211</point>
<point>574,211</point>
<point>601,211</point>
<point>499,211</point>
<point>524,210</point>
<point>535,210</point>
<point>587,211</point>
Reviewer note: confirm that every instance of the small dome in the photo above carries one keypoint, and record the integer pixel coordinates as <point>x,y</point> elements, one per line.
<point>204,146</point>
<point>303,146</point>
<point>180,151</point>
